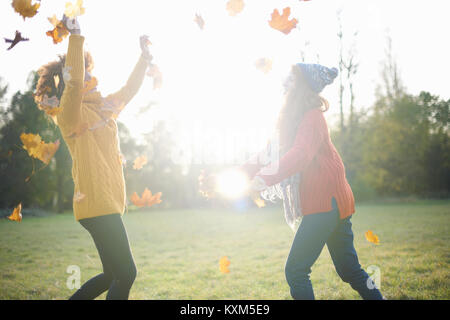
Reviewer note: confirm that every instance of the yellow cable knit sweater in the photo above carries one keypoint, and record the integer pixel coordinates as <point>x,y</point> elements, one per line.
<point>89,129</point>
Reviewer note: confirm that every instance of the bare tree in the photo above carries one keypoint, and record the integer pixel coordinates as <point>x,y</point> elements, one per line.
<point>349,66</point>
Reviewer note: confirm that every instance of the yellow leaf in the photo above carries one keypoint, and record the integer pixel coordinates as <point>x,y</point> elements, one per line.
<point>17,214</point>
<point>74,10</point>
<point>371,237</point>
<point>37,148</point>
<point>25,8</point>
<point>259,202</point>
<point>224,263</point>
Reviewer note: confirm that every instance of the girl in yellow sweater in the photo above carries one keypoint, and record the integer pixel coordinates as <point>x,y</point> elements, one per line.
<point>88,126</point>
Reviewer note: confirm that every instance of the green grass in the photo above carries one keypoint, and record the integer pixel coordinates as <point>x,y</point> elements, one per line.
<point>177,254</point>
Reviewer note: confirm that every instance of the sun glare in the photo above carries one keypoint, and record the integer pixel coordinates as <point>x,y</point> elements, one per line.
<point>232,183</point>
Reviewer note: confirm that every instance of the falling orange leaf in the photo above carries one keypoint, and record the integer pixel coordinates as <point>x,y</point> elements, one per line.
<point>59,31</point>
<point>25,8</point>
<point>74,10</point>
<point>78,197</point>
<point>37,148</point>
<point>282,22</point>
<point>140,162</point>
<point>199,21</point>
<point>17,214</point>
<point>235,6</point>
<point>264,64</point>
<point>224,263</point>
<point>371,237</point>
<point>147,199</point>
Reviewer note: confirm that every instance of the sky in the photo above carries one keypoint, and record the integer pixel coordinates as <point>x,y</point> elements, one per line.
<point>210,79</point>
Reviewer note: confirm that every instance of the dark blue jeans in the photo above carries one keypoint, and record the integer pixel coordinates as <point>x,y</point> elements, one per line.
<point>314,232</point>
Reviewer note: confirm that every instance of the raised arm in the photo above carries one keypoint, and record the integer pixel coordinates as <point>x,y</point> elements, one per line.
<point>69,116</point>
<point>122,97</point>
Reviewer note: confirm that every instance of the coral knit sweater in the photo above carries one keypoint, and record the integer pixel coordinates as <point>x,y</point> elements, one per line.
<point>314,156</point>
<point>97,167</point>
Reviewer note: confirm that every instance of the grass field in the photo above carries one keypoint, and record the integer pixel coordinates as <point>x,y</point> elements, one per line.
<point>177,254</point>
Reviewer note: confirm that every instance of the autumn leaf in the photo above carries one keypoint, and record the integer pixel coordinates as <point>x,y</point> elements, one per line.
<point>17,214</point>
<point>140,162</point>
<point>259,202</point>
<point>78,197</point>
<point>37,148</point>
<point>17,38</point>
<point>147,199</point>
<point>371,237</point>
<point>264,64</point>
<point>25,8</point>
<point>199,21</point>
<point>59,31</point>
<point>282,22</point>
<point>224,263</point>
<point>235,6</point>
<point>74,10</point>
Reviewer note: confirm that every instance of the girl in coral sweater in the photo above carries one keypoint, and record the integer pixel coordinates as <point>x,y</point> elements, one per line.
<point>310,179</point>
<point>88,126</point>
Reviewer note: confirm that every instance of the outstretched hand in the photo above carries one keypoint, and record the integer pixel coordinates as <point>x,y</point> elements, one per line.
<point>72,25</point>
<point>144,43</point>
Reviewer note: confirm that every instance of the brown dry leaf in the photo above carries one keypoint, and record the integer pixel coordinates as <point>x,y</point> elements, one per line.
<point>235,6</point>
<point>17,214</point>
<point>25,8</point>
<point>282,22</point>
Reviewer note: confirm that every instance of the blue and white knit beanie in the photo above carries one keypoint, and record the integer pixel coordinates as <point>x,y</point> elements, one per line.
<point>318,76</point>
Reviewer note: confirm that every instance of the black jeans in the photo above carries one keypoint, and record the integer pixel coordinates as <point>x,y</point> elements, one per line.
<point>119,269</point>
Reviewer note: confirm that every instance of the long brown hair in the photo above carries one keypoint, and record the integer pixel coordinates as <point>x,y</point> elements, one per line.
<point>300,98</point>
<point>47,74</point>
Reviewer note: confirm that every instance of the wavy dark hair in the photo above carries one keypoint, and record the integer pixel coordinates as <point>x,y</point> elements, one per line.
<point>300,98</point>
<point>46,83</point>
